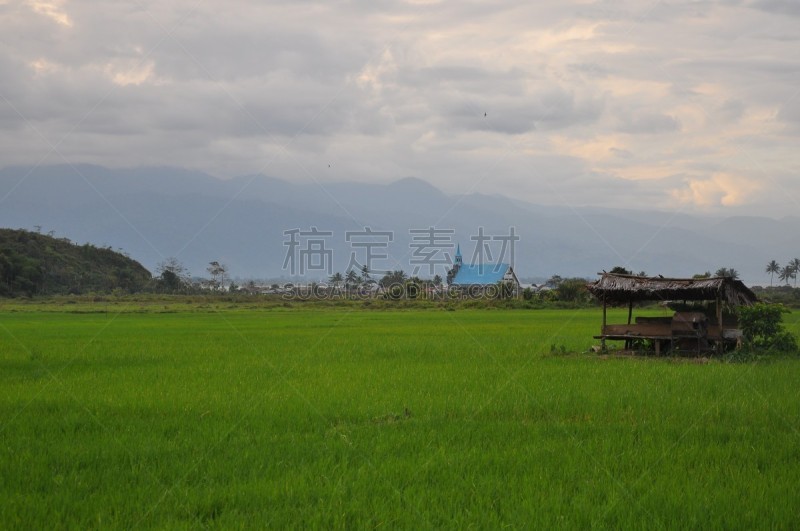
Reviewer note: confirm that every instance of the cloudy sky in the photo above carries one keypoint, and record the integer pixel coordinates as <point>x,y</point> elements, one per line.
<point>681,105</point>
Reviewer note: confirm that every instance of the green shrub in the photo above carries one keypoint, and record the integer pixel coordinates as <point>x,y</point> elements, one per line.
<point>527,294</point>
<point>763,330</point>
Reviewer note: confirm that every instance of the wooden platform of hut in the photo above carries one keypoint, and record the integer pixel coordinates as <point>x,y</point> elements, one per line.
<point>691,330</point>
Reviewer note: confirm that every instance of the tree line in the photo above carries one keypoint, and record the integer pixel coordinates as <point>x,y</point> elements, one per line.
<point>785,273</point>
<point>363,279</point>
<point>726,272</point>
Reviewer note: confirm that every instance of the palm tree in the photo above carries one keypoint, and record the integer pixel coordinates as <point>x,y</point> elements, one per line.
<point>772,268</point>
<point>795,265</point>
<point>727,272</point>
<point>351,280</point>
<point>365,278</point>
<point>336,279</point>
<point>397,277</point>
<point>786,273</point>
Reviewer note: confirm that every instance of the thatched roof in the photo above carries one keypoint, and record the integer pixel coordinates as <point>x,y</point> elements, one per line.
<point>618,289</point>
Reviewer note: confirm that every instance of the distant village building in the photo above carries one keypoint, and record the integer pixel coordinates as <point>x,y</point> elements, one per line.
<point>476,278</point>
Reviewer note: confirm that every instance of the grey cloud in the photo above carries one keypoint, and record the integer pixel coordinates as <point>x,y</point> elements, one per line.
<point>784,7</point>
<point>220,55</point>
<point>782,68</point>
<point>600,189</point>
<point>621,153</point>
<point>467,79</point>
<point>730,111</point>
<point>552,109</point>
<point>778,36</point>
<point>790,112</point>
<point>649,123</point>
<point>594,70</point>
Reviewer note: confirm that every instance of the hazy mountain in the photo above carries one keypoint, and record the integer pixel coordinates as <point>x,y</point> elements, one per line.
<point>154,213</point>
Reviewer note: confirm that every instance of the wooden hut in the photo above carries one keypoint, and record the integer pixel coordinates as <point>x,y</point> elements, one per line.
<point>687,329</point>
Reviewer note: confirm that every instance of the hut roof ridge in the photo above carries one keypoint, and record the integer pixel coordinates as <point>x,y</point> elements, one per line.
<point>619,288</point>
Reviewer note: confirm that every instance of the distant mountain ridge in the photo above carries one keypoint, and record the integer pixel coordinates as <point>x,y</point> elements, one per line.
<point>156,212</point>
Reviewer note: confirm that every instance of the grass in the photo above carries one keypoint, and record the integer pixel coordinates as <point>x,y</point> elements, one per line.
<point>350,418</point>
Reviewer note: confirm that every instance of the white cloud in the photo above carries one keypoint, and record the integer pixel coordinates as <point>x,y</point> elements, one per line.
<point>53,9</point>
<point>720,189</point>
<point>376,74</point>
<point>130,72</point>
<point>43,66</point>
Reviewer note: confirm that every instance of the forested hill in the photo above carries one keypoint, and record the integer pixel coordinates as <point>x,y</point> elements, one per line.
<point>36,264</point>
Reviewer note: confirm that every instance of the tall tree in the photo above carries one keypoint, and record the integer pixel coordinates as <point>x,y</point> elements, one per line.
<point>795,265</point>
<point>217,271</point>
<point>786,274</point>
<point>173,275</point>
<point>336,279</point>
<point>772,268</point>
<point>365,277</point>
<point>351,279</point>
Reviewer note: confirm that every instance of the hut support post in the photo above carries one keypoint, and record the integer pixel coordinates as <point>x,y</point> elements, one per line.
<point>603,332</point>
<point>719,323</point>
<point>629,342</point>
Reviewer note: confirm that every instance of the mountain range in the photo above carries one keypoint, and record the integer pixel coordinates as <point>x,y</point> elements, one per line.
<point>245,222</point>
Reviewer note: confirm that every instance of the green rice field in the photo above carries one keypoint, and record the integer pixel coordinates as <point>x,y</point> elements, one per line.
<point>233,417</point>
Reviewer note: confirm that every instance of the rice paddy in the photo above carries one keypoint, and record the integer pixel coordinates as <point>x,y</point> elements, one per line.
<point>344,417</point>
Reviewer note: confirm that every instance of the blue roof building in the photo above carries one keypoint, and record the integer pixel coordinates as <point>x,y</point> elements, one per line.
<point>482,275</point>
